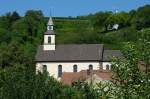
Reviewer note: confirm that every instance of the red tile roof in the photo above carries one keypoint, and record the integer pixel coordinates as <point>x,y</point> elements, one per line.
<point>69,77</point>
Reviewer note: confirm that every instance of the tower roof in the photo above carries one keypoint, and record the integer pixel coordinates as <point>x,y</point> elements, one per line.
<point>49,32</point>
<point>50,21</point>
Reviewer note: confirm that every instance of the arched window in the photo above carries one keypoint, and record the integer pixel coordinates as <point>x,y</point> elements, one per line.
<point>90,67</point>
<point>107,67</point>
<point>49,39</point>
<point>75,68</point>
<point>59,70</point>
<point>44,68</point>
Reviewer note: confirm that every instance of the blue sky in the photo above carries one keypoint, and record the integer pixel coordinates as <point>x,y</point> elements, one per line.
<point>69,7</point>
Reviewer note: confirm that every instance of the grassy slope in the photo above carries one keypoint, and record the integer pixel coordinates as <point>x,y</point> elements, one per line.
<point>81,31</point>
<point>68,30</point>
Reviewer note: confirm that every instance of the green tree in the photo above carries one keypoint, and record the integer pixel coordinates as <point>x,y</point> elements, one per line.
<point>142,18</point>
<point>5,22</point>
<point>128,78</point>
<point>33,19</point>
<point>121,18</point>
<point>98,21</point>
<point>14,16</point>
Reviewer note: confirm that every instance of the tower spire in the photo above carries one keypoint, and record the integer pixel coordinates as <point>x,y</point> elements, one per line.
<point>50,21</point>
<point>50,24</point>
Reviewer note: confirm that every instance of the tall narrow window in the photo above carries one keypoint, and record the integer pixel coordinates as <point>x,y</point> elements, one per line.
<point>59,70</point>
<point>44,68</point>
<point>90,67</point>
<point>49,39</point>
<point>107,67</point>
<point>75,68</point>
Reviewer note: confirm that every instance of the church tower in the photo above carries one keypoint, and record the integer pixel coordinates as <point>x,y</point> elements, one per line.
<point>49,36</point>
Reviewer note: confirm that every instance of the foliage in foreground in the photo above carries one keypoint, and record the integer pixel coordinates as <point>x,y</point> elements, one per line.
<point>21,83</point>
<point>130,76</point>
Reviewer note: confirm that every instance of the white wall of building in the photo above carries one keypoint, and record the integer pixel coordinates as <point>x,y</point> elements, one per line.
<point>49,47</point>
<point>104,64</point>
<point>46,39</point>
<point>52,67</point>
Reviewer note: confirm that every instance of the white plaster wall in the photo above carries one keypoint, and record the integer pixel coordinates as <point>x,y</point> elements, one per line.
<point>52,67</point>
<point>46,39</point>
<point>38,67</point>
<point>106,63</point>
<point>49,47</point>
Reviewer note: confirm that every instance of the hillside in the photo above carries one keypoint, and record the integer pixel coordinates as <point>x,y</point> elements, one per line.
<point>82,31</point>
<point>23,34</point>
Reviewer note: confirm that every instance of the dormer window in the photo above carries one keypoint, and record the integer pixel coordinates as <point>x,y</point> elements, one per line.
<point>49,40</point>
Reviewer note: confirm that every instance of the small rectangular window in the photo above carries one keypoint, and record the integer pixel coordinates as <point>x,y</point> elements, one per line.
<point>49,40</point>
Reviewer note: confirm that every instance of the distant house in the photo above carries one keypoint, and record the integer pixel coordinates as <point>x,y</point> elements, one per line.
<point>59,58</point>
<point>89,76</point>
<point>113,27</point>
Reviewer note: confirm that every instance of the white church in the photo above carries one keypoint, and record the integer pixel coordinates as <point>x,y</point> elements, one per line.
<point>59,58</point>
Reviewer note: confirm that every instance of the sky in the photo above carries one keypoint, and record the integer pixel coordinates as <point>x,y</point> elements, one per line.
<point>64,8</point>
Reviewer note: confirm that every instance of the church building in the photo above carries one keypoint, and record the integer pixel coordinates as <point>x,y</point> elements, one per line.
<point>59,58</point>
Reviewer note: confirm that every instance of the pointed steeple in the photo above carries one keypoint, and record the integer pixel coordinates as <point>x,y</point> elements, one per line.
<point>50,24</point>
<point>50,21</point>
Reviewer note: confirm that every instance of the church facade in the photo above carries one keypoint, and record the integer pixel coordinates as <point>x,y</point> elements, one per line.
<point>57,59</point>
